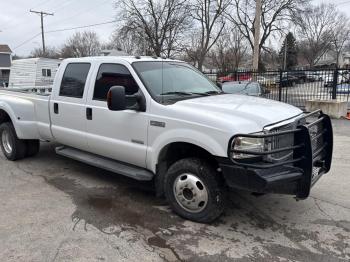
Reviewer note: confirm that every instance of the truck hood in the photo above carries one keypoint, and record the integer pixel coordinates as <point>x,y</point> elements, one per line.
<point>236,112</point>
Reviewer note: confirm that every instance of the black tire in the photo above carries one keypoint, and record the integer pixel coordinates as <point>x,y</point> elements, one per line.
<point>33,147</point>
<point>215,190</point>
<point>18,146</point>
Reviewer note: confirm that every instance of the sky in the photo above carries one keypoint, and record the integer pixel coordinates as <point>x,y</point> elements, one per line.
<point>18,25</point>
<point>20,29</point>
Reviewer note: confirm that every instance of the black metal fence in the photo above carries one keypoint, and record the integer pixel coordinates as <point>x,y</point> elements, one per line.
<point>297,86</point>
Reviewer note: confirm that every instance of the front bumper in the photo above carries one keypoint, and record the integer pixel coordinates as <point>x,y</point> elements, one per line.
<point>311,157</point>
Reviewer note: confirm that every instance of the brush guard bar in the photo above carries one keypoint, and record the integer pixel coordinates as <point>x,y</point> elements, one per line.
<point>311,151</point>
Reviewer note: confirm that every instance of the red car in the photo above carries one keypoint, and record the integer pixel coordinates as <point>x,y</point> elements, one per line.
<point>239,76</point>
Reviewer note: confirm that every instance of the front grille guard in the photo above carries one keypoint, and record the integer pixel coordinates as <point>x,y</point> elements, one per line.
<point>305,157</point>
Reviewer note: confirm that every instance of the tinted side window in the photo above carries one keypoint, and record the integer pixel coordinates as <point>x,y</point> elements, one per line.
<point>113,75</point>
<point>74,78</point>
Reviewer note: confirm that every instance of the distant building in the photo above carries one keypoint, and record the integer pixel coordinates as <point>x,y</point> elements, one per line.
<point>33,72</point>
<point>113,52</point>
<point>329,59</point>
<point>346,59</point>
<point>5,64</point>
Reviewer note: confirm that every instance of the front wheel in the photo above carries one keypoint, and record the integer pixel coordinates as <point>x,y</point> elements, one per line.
<point>194,191</point>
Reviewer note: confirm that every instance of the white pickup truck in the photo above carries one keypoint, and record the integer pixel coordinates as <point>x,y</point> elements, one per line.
<point>161,120</point>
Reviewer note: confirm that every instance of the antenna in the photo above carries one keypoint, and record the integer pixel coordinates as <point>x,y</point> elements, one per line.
<point>162,81</point>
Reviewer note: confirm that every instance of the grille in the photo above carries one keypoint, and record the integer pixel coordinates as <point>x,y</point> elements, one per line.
<point>281,141</point>
<point>317,140</point>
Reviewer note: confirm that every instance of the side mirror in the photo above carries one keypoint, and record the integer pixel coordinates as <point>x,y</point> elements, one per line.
<point>116,100</point>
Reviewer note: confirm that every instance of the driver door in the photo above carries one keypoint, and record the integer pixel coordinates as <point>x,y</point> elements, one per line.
<point>119,135</point>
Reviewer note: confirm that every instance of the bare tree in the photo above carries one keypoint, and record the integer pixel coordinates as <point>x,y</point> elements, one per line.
<point>81,45</point>
<point>126,41</point>
<point>208,26</point>
<point>315,26</point>
<point>340,35</point>
<point>275,18</point>
<point>157,25</point>
<point>50,52</point>
<point>229,51</point>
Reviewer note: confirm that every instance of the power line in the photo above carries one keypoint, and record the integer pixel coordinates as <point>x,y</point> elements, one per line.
<point>26,41</point>
<point>42,3</point>
<point>87,10</point>
<point>42,14</point>
<point>63,5</point>
<point>65,29</point>
<point>79,27</point>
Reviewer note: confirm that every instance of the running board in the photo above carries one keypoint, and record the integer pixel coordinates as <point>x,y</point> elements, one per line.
<point>105,163</point>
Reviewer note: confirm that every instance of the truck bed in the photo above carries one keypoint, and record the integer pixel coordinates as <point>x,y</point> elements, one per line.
<point>29,111</point>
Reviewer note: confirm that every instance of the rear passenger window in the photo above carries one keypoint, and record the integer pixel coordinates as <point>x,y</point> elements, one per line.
<point>113,75</point>
<point>74,78</point>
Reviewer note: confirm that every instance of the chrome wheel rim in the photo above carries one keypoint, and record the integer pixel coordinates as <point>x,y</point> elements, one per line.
<point>6,141</point>
<point>190,193</point>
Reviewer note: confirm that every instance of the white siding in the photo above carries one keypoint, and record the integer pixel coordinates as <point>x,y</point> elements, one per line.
<point>23,73</point>
<point>44,63</point>
<point>28,72</point>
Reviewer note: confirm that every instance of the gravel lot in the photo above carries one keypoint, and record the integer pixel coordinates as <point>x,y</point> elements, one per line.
<point>56,209</point>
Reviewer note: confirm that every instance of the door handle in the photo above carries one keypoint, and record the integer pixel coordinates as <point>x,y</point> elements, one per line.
<point>55,108</point>
<point>89,113</point>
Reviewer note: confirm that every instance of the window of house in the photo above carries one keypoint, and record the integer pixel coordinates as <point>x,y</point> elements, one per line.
<point>74,78</point>
<point>113,75</point>
<point>46,72</point>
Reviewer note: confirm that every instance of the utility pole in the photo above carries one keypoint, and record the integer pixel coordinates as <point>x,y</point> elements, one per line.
<point>42,14</point>
<point>256,35</point>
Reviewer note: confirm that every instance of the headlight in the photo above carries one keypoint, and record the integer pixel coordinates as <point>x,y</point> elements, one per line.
<point>246,144</point>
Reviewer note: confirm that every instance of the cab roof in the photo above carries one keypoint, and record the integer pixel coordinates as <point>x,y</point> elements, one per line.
<point>129,59</point>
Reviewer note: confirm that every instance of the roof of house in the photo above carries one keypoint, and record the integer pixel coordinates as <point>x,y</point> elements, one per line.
<point>35,59</point>
<point>113,52</point>
<point>5,49</point>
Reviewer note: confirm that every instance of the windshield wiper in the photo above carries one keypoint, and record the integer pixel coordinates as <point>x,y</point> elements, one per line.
<point>214,92</point>
<point>208,93</point>
<point>177,93</point>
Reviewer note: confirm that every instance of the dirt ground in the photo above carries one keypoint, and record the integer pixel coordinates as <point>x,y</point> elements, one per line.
<point>57,209</point>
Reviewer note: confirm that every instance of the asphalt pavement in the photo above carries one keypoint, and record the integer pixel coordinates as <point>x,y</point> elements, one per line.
<point>57,209</point>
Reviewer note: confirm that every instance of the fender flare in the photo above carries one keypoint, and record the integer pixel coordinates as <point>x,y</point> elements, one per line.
<point>199,139</point>
<point>8,110</point>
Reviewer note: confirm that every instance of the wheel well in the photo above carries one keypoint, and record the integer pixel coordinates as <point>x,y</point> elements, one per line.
<point>4,117</point>
<point>174,152</point>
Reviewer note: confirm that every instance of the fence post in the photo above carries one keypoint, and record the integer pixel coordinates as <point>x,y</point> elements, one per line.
<point>335,82</point>
<point>280,87</point>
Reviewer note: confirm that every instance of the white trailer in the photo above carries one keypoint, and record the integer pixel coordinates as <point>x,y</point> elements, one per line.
<point>33,72</point>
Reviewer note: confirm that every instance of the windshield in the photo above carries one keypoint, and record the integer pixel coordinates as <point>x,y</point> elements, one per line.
<point>173,80</point>
<point>248,88</point>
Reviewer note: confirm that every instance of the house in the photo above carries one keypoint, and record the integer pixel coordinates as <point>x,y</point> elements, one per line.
<point>33,72</point>
<point>329,59</point>
<point>5,64</point>
<point>346,59</point>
